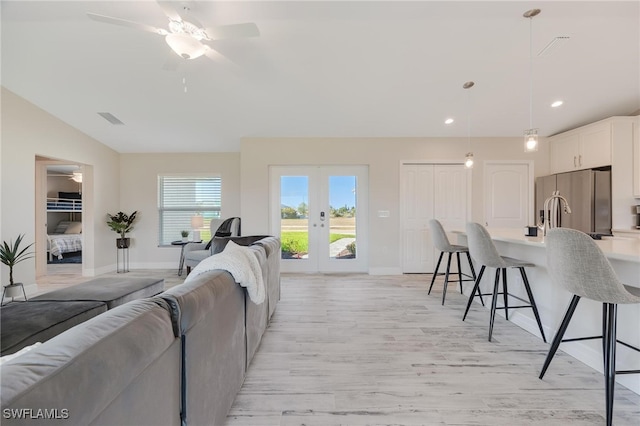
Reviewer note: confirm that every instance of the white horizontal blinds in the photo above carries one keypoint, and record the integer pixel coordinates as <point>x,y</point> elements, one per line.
<point>181,197</point>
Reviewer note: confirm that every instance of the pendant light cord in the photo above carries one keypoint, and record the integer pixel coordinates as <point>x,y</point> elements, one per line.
<point>469,120</point>
<point>530,72</point>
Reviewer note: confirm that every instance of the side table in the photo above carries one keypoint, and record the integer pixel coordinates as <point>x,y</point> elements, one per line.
<point>182,244</point>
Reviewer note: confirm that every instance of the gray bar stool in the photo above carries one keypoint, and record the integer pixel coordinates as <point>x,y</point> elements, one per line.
<point>578,265</point>
<point>484,251</point>
<point>441,242</point>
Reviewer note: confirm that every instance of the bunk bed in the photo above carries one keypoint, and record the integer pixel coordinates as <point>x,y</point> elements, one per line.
<point>67,236</point>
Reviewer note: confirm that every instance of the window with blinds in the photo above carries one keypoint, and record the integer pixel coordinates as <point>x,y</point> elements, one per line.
<point>182,197</point>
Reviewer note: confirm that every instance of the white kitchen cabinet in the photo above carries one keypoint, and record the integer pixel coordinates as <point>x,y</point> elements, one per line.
<point>636,158</point>
<point>583,148</point>
<point>564,152</point>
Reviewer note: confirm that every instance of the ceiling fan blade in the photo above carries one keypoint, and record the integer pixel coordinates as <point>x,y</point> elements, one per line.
<point>216,56</point>
<point>169,10</point>
<point>125,23</point>
<point>220,32</point>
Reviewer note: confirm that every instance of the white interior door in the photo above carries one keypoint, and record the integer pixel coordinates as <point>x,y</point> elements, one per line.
<point>417,206</point>
<point>508,194</point>
<point>430,191</point>
<point>320,214</point>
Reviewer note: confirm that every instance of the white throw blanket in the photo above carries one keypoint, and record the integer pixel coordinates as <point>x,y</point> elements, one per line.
<point>241,263</point>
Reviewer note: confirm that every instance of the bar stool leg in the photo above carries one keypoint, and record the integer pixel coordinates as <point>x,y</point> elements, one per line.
<point>473,274</point>
<point>435,273</point>
<point>560,334</point>
<point>605,313</point>
<point>527,287</point>
<point>494,300</point>
<point>446,279</point>
<point>505,296</point>
<point>610,359</point>
<point>473,292</point>
<point>459,271</point>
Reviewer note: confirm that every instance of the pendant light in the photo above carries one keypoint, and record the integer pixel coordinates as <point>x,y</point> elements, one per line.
<point>531,134</point>
<point>468,159</point>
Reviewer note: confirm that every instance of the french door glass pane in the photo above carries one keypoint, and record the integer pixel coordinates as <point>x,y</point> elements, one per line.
<point>294,216</point>
<point>342,217</point>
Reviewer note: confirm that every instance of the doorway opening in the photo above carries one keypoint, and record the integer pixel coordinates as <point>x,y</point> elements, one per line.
<point>59,217</point>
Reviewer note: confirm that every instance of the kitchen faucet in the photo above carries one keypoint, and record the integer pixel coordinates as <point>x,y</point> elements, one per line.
<point>549,220</point>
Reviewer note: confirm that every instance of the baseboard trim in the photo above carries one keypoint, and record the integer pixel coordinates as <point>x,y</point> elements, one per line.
<point>385,271</point>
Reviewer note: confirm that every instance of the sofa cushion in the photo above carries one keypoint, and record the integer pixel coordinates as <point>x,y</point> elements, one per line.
<point>25,323</point>
<point>113,291</point>
<point>119,368</point>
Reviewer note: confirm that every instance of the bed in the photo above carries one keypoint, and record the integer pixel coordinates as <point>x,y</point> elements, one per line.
<point>66,238</point>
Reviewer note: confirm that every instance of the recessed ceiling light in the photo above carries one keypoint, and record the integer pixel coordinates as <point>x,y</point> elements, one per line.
<point>448,121</point>
<point>556,104</point>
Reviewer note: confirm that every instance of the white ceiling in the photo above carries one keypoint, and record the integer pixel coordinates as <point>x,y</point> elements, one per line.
<point>323,69</point>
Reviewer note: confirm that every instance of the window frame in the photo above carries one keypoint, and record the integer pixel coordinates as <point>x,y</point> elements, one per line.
<point>212,208</point>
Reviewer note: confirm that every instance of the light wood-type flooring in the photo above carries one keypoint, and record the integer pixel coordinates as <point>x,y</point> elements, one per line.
<point>376,350</point>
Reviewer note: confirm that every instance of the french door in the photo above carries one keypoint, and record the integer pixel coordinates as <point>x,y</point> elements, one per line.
<point>320,215</point>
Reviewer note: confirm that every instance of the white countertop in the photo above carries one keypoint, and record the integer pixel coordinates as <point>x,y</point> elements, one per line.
<point>627,249</point>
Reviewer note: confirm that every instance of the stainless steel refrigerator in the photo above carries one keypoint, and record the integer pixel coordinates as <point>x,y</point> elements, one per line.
<point>589,195</point>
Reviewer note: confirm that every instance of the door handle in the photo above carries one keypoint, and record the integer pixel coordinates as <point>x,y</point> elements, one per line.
<point>580,160</point>
<point>574,161</point>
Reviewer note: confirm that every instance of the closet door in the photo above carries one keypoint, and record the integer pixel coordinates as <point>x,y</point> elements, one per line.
<point>430,191</point>
<point>417,207</point>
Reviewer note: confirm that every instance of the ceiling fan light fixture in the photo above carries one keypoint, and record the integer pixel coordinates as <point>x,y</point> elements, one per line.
<point>176,27</point>
<point>185,45</point>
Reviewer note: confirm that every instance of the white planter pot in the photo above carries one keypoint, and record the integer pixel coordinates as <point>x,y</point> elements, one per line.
<point>13,290</point>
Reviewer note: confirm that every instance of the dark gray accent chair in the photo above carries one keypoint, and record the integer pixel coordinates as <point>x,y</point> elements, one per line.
<point>195,253</point>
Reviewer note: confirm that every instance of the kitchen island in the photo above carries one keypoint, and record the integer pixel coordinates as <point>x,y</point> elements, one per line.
<point>552,301</point>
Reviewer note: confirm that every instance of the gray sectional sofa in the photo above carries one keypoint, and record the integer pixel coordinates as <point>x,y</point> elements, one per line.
<point>47,315</point>
<point>178,358</point>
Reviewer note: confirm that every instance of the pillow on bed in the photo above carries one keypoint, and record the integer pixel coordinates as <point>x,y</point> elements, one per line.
<point>74,228</point>
<point>61,228</point>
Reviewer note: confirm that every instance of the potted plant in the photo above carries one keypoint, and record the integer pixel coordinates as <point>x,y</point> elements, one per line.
<point>122,223</point>
<point>11,254</point>
<point>185,236</point>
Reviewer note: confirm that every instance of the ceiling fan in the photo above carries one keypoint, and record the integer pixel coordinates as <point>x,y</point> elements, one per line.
<point>187,38</point>
<point>75,176</point>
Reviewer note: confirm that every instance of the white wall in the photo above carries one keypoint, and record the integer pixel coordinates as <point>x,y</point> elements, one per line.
<point>383,156</point>
<point>27,132</point>
<point>139,191</point>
